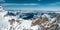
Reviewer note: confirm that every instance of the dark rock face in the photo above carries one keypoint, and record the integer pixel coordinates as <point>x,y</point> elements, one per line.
<point>27,15</point>
<point>52,15</point>
<point>11,14</point>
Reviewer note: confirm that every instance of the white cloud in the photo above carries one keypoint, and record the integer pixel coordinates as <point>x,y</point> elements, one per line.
<point>18,4</point>
<point>2,1</point>
<point>56,3</point>
<point>29,4</point>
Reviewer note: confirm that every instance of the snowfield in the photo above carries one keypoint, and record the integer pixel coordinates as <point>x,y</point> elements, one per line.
<point>6,22</point>
<point>5,25</point>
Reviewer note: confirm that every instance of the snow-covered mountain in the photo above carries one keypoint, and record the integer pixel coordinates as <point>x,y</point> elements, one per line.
<point>27,20</point>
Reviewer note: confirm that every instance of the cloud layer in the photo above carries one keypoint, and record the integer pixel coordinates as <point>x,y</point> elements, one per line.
<point>2,1</point>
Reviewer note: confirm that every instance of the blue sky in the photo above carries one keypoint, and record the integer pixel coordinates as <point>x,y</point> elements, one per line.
<point>31,4</point>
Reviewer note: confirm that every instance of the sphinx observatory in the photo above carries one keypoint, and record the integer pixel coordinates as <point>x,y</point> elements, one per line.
<point>1,8</point>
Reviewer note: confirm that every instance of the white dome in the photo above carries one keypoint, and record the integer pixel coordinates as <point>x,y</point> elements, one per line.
<point>1,8</point>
